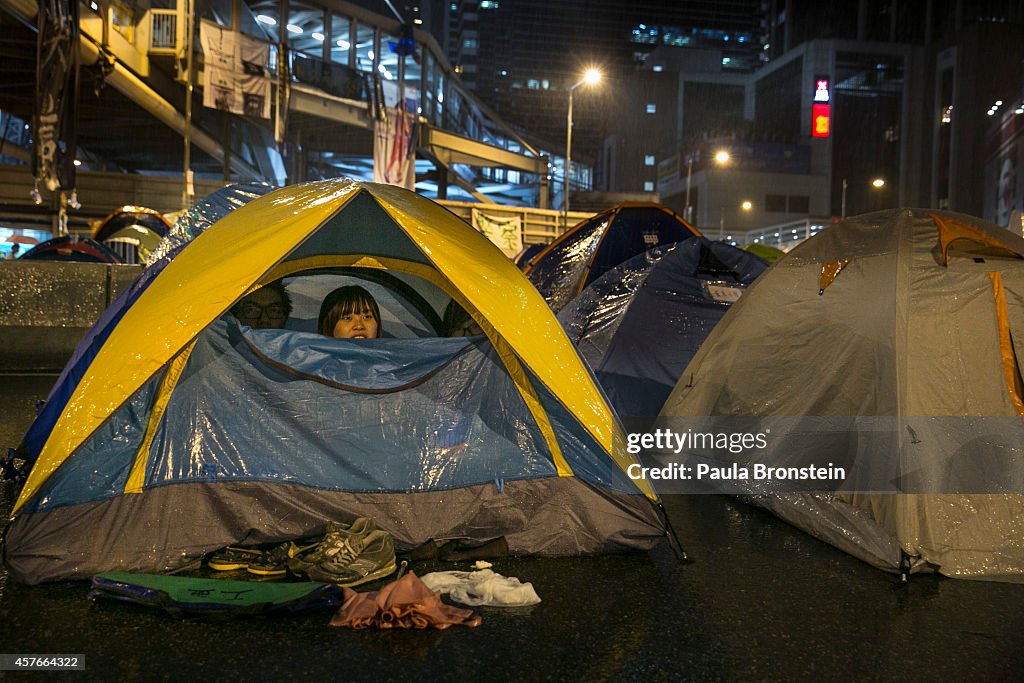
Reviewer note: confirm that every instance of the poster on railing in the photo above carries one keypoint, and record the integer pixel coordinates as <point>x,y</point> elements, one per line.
<point>394,148</point>
<point>236,78</point>
<point>504,231</point>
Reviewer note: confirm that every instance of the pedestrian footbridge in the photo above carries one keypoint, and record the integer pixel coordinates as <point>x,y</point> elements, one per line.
<point>324,74</point>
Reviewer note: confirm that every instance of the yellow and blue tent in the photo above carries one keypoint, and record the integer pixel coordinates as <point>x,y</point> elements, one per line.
<point>183,431</point>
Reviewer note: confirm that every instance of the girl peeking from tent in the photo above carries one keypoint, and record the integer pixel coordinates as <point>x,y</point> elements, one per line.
<point>349,312</point>
<point>266,308</point>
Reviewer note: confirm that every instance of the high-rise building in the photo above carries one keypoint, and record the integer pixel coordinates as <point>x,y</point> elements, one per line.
<point>904,93</point>
<point>521,56</point>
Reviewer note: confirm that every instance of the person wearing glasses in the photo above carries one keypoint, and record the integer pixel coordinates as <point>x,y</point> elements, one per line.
<point>266,308</point>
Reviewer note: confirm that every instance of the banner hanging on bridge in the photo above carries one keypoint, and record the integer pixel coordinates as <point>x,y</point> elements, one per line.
<point>394,147</point>
<point>56,107</point>
<point>235,71</point>
<point>504,231</point>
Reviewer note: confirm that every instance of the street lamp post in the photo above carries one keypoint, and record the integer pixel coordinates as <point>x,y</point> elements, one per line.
<point>591,77</point>
<point>722,158</point>
<point>689,174</point>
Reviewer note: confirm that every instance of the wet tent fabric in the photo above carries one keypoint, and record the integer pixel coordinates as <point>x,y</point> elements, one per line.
<point>189,225</point>
<point>219,434</point>
<point>639,324</point>
<point>592,248</point>
<point>912,316</point>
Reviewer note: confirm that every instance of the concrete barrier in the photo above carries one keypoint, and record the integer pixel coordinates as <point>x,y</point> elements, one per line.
<point>47,306</point>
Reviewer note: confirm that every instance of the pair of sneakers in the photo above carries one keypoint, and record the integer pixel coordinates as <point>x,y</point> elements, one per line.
<point>272,561</point>
<point>348,555</point>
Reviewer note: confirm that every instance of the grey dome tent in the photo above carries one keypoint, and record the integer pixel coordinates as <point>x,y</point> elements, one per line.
<point>907,326</point>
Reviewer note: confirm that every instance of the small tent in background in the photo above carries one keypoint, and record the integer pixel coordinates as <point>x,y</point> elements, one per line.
<point>907,326</point>
<point>72,248</point>
<point>766,253</point>
<point>526,255</point>
<point>598,244</point>
<point>640,323</point>
<point>132,232</point>
<point>182,431</point>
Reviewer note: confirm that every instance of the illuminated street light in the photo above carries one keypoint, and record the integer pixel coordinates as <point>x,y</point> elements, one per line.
<point>747,205</point>
<point>590,77</point>
<point>722,157</point>
<point>878,183</point>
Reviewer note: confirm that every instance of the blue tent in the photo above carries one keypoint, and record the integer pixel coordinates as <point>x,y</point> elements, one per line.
<point>640,323</point>
<point>178,430</point>
<point>598,244</point>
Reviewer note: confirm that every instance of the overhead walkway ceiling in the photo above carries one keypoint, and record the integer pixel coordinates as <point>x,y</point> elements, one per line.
<point>117,108</point>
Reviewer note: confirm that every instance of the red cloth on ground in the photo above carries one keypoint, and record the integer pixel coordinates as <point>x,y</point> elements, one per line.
<point>405,603</point>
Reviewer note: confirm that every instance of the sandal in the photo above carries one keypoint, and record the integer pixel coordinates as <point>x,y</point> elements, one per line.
<point>232,557</point>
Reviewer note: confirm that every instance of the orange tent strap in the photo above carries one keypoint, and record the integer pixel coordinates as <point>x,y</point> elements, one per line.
<point>1010,368</point>
<point>951,230</point>
<point>829,271</point>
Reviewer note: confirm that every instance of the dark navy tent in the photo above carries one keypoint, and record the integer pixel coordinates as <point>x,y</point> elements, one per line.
<point>524,257</point>
<point>595,246</point>
<point>71,248</point>
<point>640,323</point>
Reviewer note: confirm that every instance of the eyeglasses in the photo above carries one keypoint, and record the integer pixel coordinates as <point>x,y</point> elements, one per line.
<point>253,311</point>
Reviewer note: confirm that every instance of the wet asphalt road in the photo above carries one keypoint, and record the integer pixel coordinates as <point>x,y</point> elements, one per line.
<point>759,600</point>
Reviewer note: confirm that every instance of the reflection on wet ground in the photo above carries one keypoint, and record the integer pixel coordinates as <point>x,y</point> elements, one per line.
<point>758,600</point>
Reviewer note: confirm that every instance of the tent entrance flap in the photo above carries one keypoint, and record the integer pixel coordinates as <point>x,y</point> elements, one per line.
<point>951,230</point>
<point>430,274</point>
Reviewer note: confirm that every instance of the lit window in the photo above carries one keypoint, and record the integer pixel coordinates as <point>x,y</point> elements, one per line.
<point>648,160</point>
<point>470,43</point>
<point>657,68</point>
<point>652,108</point>
<point>648,186</point>
<point>533,84</point>
<point>545,84</point>
<point>488,4</point>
